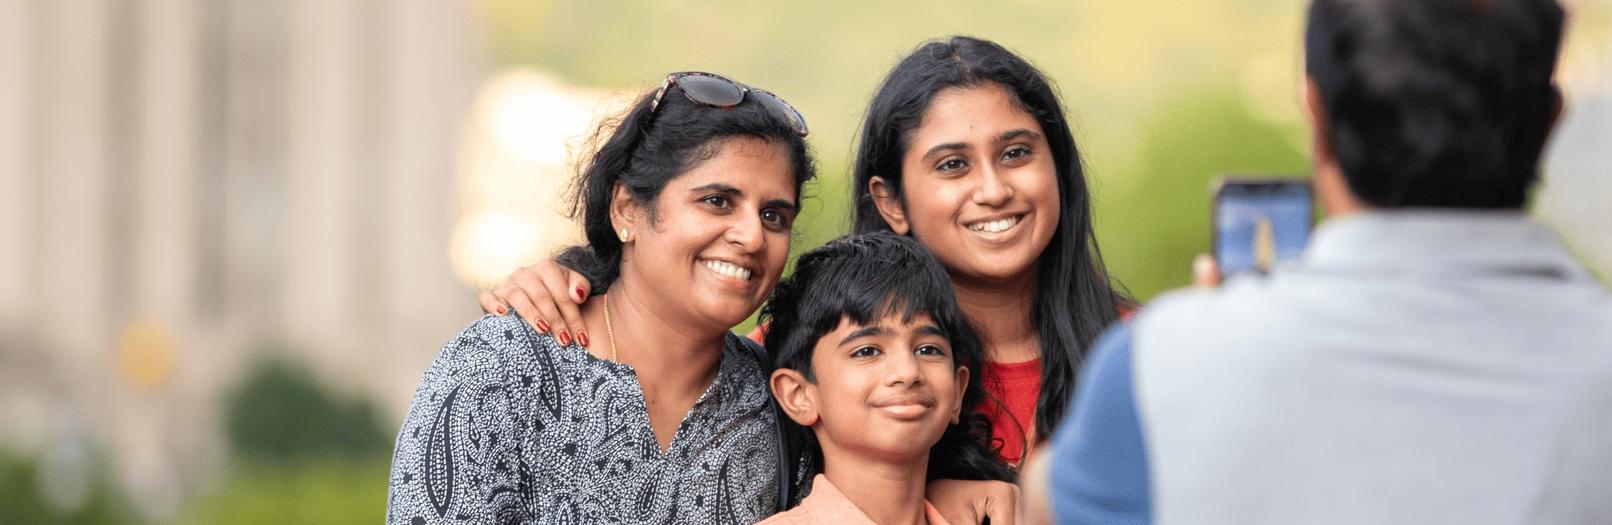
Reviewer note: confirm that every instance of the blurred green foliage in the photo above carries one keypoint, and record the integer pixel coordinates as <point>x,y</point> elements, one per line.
<point>22,499</point>
<point>1152,221</point>
<point>301,453</point>
<point>281,413</point>
<point>326,490</point>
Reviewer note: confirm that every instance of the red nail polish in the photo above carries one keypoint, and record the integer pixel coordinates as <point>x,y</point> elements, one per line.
<point>500,310</point>
<point>582,337</point>
<point>542,326</point>
<point>580,296</point>
<point>565,338</point>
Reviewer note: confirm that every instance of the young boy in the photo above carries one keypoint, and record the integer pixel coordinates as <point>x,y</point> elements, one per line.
<point>871,353</point>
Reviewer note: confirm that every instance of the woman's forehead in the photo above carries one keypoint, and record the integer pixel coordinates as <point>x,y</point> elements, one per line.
<point>971,114</point>
<point>751,166</point>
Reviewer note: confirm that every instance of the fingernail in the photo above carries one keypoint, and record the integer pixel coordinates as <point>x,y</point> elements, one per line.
<point>500,310</point>
<point>580,296</point>
<point>542,326</point>
<point>582,337</point>
<point>565,338</point>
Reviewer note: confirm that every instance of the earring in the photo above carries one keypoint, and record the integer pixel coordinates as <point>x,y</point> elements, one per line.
<point>623,235</point>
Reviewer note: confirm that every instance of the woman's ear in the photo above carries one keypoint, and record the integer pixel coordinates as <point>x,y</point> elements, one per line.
<point>889,205</point>
<point>962,388</point>
<point>796,395</point>
<point>624,213</point>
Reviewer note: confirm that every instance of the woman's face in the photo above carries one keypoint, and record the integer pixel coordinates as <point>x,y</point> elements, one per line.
<point>979,185</point>
<point>719,236</point>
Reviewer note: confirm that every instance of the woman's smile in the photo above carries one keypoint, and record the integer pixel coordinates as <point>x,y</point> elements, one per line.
<point>997,227</point>
<point>727,269</point>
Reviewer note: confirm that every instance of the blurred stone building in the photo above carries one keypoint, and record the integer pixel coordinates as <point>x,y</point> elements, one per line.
<point>186,184</point>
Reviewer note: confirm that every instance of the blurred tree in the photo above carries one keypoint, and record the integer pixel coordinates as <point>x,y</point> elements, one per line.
<point>282,413</point>
<point>23,501</point>
<point>1151,220</point>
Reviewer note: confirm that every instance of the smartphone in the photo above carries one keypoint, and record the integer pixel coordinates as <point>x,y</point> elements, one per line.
<point>1260,221</point>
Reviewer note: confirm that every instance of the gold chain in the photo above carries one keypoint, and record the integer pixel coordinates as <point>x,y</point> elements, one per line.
<point>609,330</point>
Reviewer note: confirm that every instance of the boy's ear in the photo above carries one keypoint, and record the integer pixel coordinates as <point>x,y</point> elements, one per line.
<point>889,205</point>
<point>796,395</point>
<point>962,387</point>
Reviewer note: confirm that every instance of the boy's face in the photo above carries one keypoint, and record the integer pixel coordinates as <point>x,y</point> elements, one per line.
<point>885,390</point>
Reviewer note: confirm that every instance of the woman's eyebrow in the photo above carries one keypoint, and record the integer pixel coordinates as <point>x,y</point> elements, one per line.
<point>1017,134</point>
<point>718,187</point>
<point>782,204</point>
<point>940,148</point>
<point>736,193</point>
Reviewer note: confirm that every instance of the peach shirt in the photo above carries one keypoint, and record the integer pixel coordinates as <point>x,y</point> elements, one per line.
<point>826,504</point>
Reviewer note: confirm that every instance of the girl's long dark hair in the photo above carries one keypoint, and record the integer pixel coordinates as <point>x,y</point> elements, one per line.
<point>1074,299</point>
<point>646,148</point>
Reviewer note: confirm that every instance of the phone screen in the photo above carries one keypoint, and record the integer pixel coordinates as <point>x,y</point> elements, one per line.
<point>1259,223</point>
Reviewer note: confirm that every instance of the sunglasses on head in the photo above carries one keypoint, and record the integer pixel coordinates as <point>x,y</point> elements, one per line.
<point>720,92</point>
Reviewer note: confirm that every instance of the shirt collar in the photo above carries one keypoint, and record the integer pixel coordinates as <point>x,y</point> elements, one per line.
<point>1442,242</point>
<point>829,505</point>
<point>739,382</point>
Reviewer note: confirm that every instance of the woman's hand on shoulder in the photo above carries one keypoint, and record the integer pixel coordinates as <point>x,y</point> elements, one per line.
<point>962,501</point>
<point>547,295</point>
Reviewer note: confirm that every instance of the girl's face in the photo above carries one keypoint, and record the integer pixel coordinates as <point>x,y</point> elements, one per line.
<point>979,185</point>
<point>719,235</point>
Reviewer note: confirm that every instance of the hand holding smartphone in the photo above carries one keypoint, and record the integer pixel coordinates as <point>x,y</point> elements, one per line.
<point>1260,221</point>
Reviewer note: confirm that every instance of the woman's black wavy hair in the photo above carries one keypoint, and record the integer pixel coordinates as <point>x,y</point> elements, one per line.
<point>646,148</point>
<point>864,278</point>
<point>1074,299</point>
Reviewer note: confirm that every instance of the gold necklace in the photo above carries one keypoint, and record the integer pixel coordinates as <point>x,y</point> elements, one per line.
<point>610,331</point>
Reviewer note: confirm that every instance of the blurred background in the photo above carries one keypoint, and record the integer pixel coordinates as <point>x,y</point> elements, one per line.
<point>233,233</point>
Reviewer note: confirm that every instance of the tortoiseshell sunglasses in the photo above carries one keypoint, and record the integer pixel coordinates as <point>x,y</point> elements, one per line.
<point>721,92</point>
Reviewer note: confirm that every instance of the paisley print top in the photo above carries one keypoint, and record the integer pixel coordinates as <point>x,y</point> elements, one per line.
<point>510,427</point>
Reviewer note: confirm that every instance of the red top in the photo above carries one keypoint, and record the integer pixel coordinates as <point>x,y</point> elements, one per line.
<point>1018,386</point>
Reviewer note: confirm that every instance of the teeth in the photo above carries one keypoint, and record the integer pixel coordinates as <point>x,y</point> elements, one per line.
<point>999,225</point>
<point>727,269</point>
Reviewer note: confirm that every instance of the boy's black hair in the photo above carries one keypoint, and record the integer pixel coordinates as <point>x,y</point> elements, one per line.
<point>865,278</point>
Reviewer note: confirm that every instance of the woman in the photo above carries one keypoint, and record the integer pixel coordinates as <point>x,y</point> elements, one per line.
<point>966,148</point>
<point>687,207</point>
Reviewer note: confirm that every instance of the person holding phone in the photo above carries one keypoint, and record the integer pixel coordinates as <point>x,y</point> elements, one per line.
<point>1433,357</point>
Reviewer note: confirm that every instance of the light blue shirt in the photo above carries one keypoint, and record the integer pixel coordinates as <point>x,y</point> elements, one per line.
<point>1412,367</point>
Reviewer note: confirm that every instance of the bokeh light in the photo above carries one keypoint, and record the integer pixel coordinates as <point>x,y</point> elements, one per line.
<point>515,172</point>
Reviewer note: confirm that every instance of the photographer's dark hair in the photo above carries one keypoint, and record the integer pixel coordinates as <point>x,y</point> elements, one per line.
<point>1074,299</point>
<point>644,149</point>
<point>1436,103</point>
<point>864,278</point>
